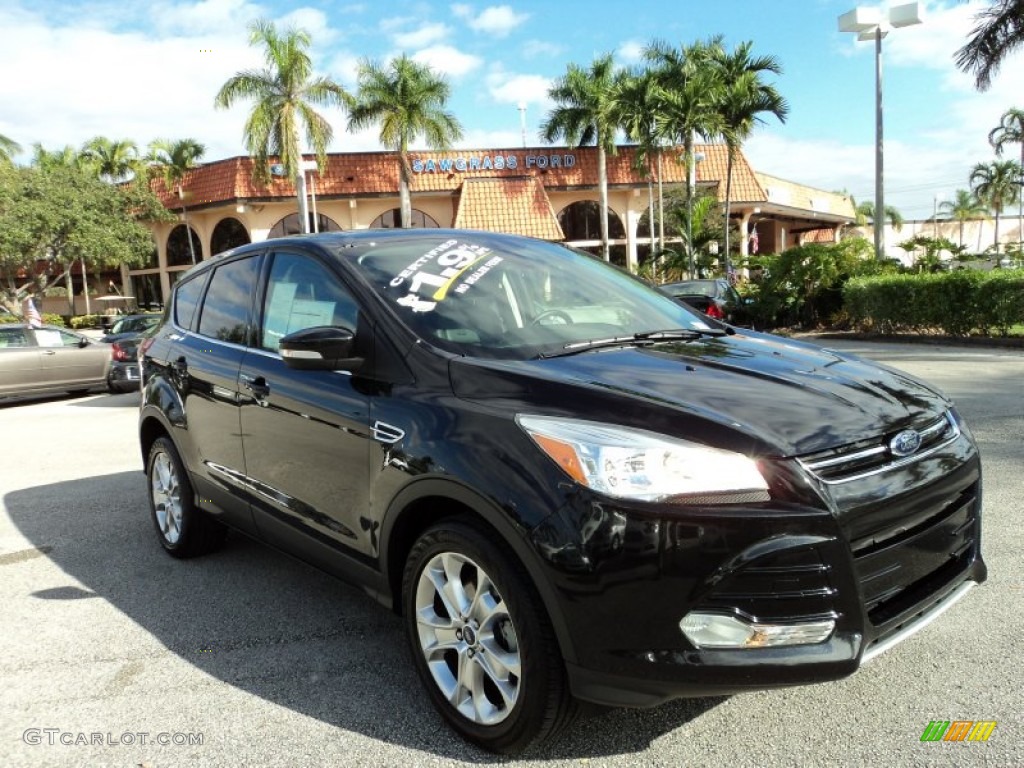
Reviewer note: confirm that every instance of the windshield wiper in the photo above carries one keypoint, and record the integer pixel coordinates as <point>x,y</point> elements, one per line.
<point>638,339</point>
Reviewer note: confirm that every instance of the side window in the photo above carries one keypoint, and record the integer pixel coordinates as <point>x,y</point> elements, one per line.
<point>186,298</point>
<point>225,312</point>
<point>51,337</point>
<point>302,293</point>
<point>12,337</point>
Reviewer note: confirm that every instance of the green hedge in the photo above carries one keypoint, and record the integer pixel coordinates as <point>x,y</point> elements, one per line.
<point>86,321</point>
<point>49,318</point>
<point>957,303</point>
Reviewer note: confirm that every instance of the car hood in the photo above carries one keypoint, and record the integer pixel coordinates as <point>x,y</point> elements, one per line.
<point>792,398</point>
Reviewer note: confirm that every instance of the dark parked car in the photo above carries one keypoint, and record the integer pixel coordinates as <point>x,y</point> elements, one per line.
<point>570,486</point>
<point>715,298</point>
<point>49,359</point>
<point>124,338</point>
<point>131,326</point>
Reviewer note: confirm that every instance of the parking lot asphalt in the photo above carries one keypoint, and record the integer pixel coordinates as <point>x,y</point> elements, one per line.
<point>249,658</point>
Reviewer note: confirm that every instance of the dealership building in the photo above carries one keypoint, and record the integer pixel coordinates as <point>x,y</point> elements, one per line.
<point>545,192</point>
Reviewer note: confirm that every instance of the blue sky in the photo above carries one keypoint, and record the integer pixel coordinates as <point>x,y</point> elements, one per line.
<point>147,70</point>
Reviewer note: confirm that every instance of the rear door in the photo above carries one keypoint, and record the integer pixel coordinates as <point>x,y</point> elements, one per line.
<point>205,359</point>
<point>20,369</point>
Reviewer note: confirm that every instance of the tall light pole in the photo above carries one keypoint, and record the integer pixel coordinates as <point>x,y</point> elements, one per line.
<point>874,24</point>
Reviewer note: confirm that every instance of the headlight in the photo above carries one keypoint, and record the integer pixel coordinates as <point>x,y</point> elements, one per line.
<point>636,464</point>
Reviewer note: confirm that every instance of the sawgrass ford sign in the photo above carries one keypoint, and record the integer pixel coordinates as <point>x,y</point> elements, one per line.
<point>463,164</point>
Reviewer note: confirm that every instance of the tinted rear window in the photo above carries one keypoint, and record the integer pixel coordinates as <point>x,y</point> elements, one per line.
<point>186,298</point>
<point>226,309</point>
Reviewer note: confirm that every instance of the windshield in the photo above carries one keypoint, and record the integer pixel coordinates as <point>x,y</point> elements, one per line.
<point>496,297</point>
<point>134,324</point>
<point>691,288</point>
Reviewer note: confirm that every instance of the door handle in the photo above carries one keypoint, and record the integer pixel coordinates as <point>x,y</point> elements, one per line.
<point>49,352</point>
<point>258,386</point>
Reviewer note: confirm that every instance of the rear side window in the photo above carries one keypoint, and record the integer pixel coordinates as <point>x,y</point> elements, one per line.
<point>186,299</point>
<point>12,337</point>
<point>226,309</point>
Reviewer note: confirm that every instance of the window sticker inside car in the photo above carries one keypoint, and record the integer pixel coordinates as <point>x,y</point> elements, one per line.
<point>431,277</point>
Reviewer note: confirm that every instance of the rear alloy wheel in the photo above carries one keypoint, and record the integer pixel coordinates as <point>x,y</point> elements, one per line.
<point>183,529</point>
<point>483,646</point>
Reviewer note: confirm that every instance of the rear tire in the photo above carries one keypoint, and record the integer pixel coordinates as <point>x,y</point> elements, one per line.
<point>482,643</point>
<point>183,529</point>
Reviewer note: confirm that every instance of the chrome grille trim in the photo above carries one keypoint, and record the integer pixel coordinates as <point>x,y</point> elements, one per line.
<point>946,421</point>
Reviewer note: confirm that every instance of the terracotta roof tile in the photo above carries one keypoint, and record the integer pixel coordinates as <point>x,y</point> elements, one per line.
<point>362,174</point>
<point>516,205</point>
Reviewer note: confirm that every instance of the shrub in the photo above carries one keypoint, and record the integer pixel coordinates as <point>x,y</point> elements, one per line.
<point>49,318</point>
<point>85,321</point>
<point>956,303</point>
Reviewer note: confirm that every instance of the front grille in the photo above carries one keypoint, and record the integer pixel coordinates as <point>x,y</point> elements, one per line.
<point>857,460</point>
<point>902,570</point>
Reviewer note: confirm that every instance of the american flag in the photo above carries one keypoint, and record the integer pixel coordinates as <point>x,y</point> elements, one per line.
<point>753,240</point>
<point>32,314</point>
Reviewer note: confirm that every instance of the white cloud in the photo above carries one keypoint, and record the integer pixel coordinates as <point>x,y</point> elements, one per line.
<point>497,20</point>
<point>631,51</point>
<point>518,89</point>
<point>422,36</point>
<point>447,60</point>
<point>81,82</point>
<point>533,49</point>
<point>204,16</point>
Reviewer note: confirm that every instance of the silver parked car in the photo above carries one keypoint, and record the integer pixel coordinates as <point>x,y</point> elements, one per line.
<point>49,359</point>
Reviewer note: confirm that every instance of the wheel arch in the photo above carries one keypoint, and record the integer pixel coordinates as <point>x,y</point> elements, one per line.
<point>425,503</point>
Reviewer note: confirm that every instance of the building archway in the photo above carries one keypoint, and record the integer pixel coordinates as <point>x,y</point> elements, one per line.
<point>229,233</point>
<point>178,252</point>
<point>393,220</point>
<point>290,225</point>
<point>582,221</point>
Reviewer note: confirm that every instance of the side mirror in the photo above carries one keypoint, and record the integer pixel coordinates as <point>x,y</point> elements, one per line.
<point>83,342</point>
<point>321,348</point>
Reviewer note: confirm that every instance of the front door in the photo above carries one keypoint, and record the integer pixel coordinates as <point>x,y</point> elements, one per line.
<point>305,433</point>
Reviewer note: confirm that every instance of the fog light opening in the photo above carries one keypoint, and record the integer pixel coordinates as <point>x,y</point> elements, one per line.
<point>713,630</point>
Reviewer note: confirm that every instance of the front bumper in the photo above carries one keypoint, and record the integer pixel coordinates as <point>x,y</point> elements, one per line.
<point>629,574</point>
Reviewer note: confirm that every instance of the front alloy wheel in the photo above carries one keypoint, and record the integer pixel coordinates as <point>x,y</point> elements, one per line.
<point>481,640</point>
<point>468,639</point>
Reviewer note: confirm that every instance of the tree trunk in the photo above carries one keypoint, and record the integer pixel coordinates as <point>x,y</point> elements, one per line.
<point>728,204</point>
<point>602,175</point>
<point>691,171</point>
<point>404,196</point>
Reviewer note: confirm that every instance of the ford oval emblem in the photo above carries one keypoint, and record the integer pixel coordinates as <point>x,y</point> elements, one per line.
<point>905,443</point>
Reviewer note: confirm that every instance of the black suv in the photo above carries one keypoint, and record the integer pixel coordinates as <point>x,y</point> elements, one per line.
<point>571,486</point>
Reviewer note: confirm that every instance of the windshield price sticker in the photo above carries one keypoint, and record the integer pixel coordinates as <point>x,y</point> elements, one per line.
<point>451,260</point>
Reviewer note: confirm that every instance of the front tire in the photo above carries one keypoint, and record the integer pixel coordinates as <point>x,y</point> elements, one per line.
<point>182,528</point>
<point>482,644</point>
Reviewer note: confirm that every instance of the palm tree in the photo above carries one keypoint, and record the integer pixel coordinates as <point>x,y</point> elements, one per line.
<point>691,87</point>
<point>112,160</point>
<point>45,159</point>
<point>1011,131</point>
<point>285,93</point>
<point>745,98</point>
<point>585,114</point>
<point>963,207</point>
<point>636,99</point>
<point>865,213</point>
<point>998,32</point>
<point>176,159</point>
<point>8,148</point>
<point>408,99</point>
<point>995,184</point>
